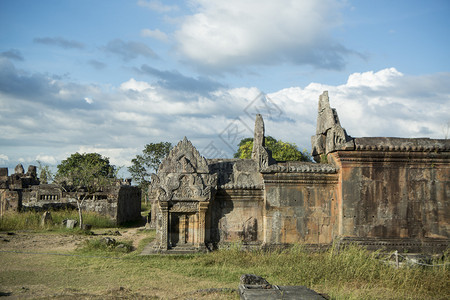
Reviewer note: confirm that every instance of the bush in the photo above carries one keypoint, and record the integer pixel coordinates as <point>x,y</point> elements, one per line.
<point>106,244</point>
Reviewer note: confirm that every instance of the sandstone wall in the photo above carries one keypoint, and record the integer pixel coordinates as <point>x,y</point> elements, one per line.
<point>393,194</point>
<point>300,207</point>
<point>128,204</point>
<point>237,215</point>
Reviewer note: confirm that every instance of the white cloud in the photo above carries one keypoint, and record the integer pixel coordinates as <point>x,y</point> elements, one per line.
<point>88,100</point>
<point>46,159</point>
<point>370,79</point>
<point>224,35</point>
<point>125,118</point>
<point>134,85</point>
<point>157,6</point>
<point>383,103</point>
<point>156,34</point>
<point>3,159</point>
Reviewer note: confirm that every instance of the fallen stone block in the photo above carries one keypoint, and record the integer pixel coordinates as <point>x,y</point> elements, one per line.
<point>71,224</point>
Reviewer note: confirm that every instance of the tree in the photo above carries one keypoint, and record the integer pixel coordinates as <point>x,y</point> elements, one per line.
<point>143,165</point>
<point>281,151</point>
<point>84,174</point>
<point>45,174</point>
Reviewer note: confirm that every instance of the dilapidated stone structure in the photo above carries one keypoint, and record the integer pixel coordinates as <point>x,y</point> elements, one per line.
<point>378,192</point>
<point>22,191</point>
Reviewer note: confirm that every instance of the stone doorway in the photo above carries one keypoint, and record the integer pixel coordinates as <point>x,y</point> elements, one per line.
<point>182,229</point>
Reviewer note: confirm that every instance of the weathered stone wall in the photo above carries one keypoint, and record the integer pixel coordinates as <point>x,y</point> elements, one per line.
<point>237,215</point>
<point>129,209</point>
<point>10,201</point>
<point>394,193</point>
<point>300,206</point>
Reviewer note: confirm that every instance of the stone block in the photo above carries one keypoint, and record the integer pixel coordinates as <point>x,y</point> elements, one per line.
<point>71,224</point>
<point>46,219</point>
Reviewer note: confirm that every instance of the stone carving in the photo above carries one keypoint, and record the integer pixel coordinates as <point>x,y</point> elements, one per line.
<point>184,158</point>
<point>260,153</point>
<point>184,207</point>
<point>330,136</point>
<point>184,176</point>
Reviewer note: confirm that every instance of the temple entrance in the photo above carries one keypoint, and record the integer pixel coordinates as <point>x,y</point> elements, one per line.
<point>182,228</point>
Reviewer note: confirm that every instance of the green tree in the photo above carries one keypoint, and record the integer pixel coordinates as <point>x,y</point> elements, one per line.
<point>45,174</point>
<point>148,162</point>
<point>84,174</point>
<point>281,151</point>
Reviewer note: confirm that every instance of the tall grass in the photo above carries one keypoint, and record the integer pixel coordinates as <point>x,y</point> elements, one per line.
<point>351,273</point>
<point>31,220</point>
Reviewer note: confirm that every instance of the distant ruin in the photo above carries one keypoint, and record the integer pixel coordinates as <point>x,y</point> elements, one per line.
<point>23,191</point>
<point>378,192</point>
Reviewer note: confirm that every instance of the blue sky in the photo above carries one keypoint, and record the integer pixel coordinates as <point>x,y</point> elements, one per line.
<point>112,76</point>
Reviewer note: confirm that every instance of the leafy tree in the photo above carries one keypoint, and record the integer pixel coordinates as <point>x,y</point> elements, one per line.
<point>150,159</point>
<point>84,174</point>
<point>45,174</point>
<point>281,151</point>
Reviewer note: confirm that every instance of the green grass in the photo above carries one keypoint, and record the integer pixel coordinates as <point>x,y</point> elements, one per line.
<point>102,245</point>
<point>32,220</point>
<point>351,273</point>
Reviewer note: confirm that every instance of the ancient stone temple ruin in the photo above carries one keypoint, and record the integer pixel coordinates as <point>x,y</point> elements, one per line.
<point>23,191</point>
<point>378,192</point>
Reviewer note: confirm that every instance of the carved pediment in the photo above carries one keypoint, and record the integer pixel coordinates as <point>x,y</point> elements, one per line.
<point>184,158</point>
<point>183,176</point>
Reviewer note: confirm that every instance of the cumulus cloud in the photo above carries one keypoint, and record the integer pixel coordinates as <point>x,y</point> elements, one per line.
<point>174,80</point>
<point>129,50</point>
<point>41,88</point>
<point>3,159</point>
<point>123,119</point>
<point>12,54</point>
<point>226,35</point>
<point>157,6</point>
<point>46,159</point>
<point>156,34</point>
<point>59,42</point>
<point>383,103</point>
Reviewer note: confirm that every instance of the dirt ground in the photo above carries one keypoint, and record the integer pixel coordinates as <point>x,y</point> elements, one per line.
<point>24,273</point>
<point>42,242</point>
<point>34,243</point>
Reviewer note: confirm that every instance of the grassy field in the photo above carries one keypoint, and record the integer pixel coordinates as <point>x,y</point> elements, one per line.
<point>93,272</point>
<point>54,262</point>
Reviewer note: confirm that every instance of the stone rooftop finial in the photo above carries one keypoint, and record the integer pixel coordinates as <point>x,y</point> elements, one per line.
<point>32,171</point>
<point>19,169</point>
<point>330,136</point>
<point>259,138</point>
<point>260,153</point>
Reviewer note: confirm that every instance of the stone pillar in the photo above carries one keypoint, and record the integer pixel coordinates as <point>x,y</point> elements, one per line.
<point>202,208</point>
<point>182,229</point>
<point>164,208</point>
